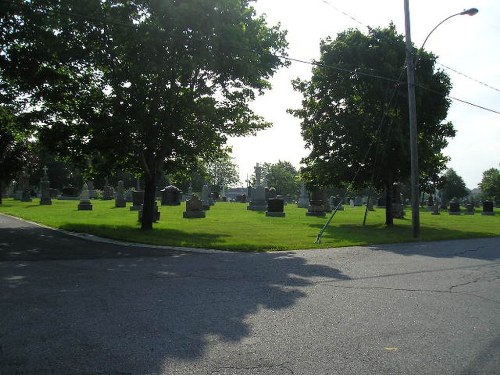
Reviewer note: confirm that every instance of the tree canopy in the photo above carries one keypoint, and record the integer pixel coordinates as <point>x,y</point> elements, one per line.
<point>490,185</point>
<point>283,176</point>
<point>146,85</point>
<point>354,114</point>
<point>454,185</point>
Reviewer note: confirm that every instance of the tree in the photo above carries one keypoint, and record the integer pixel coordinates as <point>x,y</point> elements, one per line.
<point>283,177</point>
<point>354,114</point>
<point>222,172</point>
<point>146,85</point>
<point>14,146</point>
<point>490,185</point>
<point>454,185</point>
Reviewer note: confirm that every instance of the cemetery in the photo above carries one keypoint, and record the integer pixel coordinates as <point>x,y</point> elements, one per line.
<point>182,220</point>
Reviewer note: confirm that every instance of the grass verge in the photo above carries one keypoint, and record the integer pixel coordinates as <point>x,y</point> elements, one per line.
<point>230,226</point>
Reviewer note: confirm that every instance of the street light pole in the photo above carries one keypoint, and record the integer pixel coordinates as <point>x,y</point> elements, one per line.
<point>412,108</point>
<point>412,112</point>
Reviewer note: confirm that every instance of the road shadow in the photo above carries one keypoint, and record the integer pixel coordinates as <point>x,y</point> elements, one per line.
<point>142,315</point>
<point>459,243</point>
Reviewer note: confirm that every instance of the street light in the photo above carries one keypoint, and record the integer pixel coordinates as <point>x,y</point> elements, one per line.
<point>410,71</point>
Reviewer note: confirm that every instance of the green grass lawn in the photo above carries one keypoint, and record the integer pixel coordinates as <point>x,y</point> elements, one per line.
<point>230,226</point>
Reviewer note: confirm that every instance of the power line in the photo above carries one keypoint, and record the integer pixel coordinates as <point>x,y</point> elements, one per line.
<point>466,76</point>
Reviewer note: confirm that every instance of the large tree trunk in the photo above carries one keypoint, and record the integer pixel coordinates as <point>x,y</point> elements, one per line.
<point>389,220</point>
<point>1,191</point>
<point>149,202</point>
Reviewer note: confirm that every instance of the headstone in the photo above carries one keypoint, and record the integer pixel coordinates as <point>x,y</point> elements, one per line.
<point>241,198</point>
<point>469,209</point>
<point>316,206</point>
<point>336,203</point>
<point>92,190</point>
<point>358,201</point>
<point>171,196</point>
<point>25,188</point>
<point>128,195</point>
<point>488,208</point>
<point>156,212</point>
<point>190,191</point>
<point>275,207</point>
<point>11,189</point>
<point>85,204</point>
<point>137,200</point>
<point>45,198</point>
<point>454,207</point>
<point>258,201</point>
<point>304,197</point>
<point>398,211</point>
<point>120,200</point>
<point>381,202</point>
<point>435,208</point>
<point>351,202</point>
<point>194,208</point>
<point>430,203</point>
<point>69,193</point>
<point>369,204</point>
<point>205,197</point>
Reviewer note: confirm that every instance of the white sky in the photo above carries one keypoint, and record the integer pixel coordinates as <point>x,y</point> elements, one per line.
<point>470,45</point>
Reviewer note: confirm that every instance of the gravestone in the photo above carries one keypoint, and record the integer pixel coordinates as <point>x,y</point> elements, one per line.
<point>85,204</point>
<point>430,203</point>
<point>205,197</point>
<point>304,197</point>
<point>488,208</point>
<point>381,202</point>
<point>398,211</point>
<point>241,198</point>
<point>351,202</point>
<point>194,208</point>
<point>171,196</point>
<point>45,198</point>
<point>190,191</point>
<point>11,189</point>
<point>316,206</point>
<point>469,209</point>
<point>92,190</point>
<point>137,200</point>
<point>336,203</point>
<point>156,212</point>
<point>435,208</point>
<point>70,193</point>
<point>358,201</point>
<point>369,204</point>
<point>454,207</point>
<point>258,197</point>
<point>25,188</point>
<point>120,200</point>
<point>275,207</point>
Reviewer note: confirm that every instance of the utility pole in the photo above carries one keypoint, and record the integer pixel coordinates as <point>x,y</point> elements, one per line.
<point>412,111</point>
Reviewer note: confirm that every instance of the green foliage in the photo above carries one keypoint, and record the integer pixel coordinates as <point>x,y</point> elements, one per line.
<point>490,185</point>
<point>454,185</point>
<point>144,85</point>
<point>283,177</point>
<point>354,114</point>
<point>222,172</point>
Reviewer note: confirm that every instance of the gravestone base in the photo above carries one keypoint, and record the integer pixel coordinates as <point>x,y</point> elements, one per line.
<point>120,203</point>
<point>193,214</point>
<point>469,213</point>
<point>488,213</point>
<point>454,213</point>
<point>275,214</point>
<point>436,213</point>
<point>85,206</point>
<point>46,201</point>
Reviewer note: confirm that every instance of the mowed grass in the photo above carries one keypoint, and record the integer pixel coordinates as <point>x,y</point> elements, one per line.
<point>230,226</point>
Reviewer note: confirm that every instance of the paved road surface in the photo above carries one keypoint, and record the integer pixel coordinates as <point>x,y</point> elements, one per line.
<point>70,306</point>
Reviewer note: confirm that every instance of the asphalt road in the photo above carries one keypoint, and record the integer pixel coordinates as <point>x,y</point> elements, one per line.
<point>72,306</point>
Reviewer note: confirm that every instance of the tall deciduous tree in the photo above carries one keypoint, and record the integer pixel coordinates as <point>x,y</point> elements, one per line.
<point>283,176</point>
<point>148,85</point>
<point>454,185</point>
<point>490,185</point>
<point>355,113</point>
<point>222,172</point>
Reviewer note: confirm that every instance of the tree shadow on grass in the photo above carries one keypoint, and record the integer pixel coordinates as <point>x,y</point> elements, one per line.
<point>143,315</point>
<point>398,239</point>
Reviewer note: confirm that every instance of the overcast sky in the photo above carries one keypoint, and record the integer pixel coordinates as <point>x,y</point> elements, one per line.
<point>468,45</point>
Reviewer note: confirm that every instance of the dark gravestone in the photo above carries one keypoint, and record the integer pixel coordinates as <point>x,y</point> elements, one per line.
<point>156,213</point>
<point>137,200</point>
<point>241,198</point>
<point>316,206</point>
<point>171,196</point>
<point>194,208</point>
<point>275,207</point>
<point>69,192</point>
<point>381,202</point>
<point>469,209</point>
<point>454,207</point>
<point>488,208</point>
